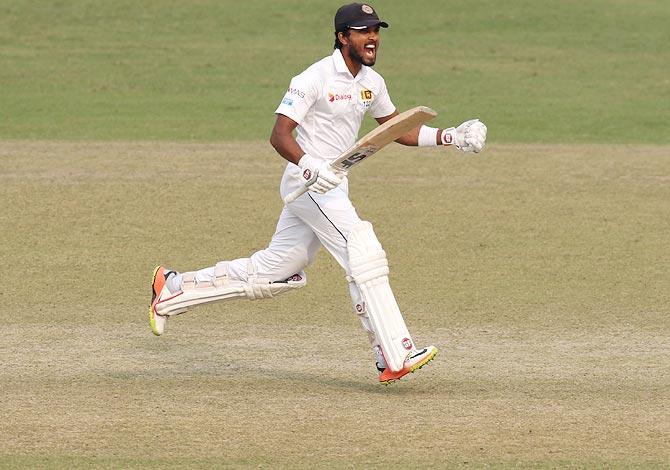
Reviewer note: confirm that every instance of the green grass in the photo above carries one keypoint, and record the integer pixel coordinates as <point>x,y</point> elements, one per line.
<point>571,71</point>
<point>539,271</point>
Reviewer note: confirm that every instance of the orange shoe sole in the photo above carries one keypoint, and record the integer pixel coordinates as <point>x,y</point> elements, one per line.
<point>391,377</point>
<point>156,289</point>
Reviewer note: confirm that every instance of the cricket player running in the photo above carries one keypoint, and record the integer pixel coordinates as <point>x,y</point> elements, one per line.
<point>325,106</point>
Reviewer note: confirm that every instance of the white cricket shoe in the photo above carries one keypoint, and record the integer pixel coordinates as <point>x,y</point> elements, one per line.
<point>415,360</point>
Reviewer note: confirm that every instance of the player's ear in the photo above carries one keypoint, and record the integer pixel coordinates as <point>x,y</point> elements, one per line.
<point>343,37</point>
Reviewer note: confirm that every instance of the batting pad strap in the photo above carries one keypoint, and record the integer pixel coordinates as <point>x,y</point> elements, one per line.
<point>188,280</point>
<point>428,136</point>
<point>220,274</point>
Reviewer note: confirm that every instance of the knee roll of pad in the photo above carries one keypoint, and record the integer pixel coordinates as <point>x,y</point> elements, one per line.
<point>259,288</point>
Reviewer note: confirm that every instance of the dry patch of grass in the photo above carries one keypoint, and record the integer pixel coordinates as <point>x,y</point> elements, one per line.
<point>540,272</point>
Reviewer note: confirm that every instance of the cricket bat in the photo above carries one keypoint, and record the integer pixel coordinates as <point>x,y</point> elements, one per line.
<point>374,141</point>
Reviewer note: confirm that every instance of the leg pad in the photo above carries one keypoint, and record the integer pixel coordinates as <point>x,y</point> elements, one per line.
<point>369,269</point>
<point>220,287</point>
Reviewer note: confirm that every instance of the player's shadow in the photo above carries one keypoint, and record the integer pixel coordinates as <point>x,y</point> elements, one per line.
<point>309,380</point>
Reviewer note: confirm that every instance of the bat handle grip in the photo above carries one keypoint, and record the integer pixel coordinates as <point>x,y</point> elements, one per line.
<point>295,194</point>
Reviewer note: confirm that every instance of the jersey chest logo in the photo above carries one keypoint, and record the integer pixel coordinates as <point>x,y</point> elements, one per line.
<point>335,96</point>
<point>366,98</point>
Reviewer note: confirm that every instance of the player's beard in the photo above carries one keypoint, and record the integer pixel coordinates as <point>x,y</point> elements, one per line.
<point>353,53</point>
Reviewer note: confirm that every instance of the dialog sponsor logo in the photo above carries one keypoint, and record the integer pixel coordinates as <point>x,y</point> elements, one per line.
<point>332,97</point>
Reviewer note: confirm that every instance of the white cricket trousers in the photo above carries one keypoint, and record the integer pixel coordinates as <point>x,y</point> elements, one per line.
<point>304,226</point>
<point>311,221</point>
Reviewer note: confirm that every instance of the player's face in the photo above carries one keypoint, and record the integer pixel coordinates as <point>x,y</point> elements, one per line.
<point>363,45</point>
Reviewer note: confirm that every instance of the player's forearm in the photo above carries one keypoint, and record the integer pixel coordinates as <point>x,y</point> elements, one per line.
<point>287,147</point>
<point>412,137</point>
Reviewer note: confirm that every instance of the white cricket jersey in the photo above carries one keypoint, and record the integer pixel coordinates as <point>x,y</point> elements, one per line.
<point>328,103</point>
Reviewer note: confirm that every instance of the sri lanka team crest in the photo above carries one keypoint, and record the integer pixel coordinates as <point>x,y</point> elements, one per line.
<point>366,98</point>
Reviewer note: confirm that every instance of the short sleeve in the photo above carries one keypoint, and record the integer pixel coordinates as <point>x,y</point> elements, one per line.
<point>299,98</point>
<point>382,105</point>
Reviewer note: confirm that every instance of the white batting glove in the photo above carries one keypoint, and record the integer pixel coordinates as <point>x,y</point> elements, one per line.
<point>468,137</point>
<point>318,175</point>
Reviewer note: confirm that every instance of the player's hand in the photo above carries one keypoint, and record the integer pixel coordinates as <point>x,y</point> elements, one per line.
<point>318,175</point>
<point>475,136</point>
<point>468,137</point>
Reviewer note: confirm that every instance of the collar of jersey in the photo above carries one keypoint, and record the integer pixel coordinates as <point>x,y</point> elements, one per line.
<point>341,66</point>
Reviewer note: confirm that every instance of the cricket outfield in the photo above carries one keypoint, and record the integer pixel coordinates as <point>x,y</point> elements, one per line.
<point>539,268</point>
<point>540,271</point>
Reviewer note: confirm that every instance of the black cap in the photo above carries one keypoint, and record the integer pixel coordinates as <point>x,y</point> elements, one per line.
<point>357,16</point>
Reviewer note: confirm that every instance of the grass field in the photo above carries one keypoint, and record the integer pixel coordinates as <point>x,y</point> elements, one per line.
<point>535,71</point>
<point>539,271</point>
<point>131,134</point>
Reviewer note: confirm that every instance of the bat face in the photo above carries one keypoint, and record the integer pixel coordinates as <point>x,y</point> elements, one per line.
<point>356,157</point>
